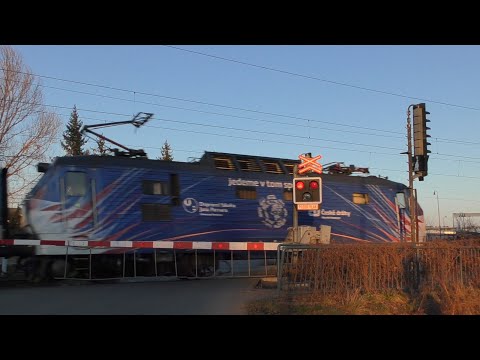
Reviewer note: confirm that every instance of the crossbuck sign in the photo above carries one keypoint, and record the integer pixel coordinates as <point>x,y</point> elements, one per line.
<point>309,164</point>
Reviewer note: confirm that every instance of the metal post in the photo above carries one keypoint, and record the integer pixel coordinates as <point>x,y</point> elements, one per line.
<point>196,264</point>
<point>265,257</point>
<point>413,215</point>
<point>248,255</point>
<point>123,270</point>
<point>66,263</point>
<point>295,223</point>
<point>4,261</point>
<point>370,273</point>
<point>461,266</point>
<point>175,261</point>
<point>231,262</point>
<point>134,263</point>
<point>214,266</point>
<point>295,211</point>
<point>438,210</point>
<point>90,265</point>
<point>417,230</point>
<point>279,275</point>
<point>155,259</point>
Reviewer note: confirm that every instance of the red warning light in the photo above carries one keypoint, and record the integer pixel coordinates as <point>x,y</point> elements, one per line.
<point>300,185</point>
<point>313,185</point>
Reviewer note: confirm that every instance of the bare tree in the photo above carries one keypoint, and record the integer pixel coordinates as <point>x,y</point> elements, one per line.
<point>27,128</point>
<point>467,224</point>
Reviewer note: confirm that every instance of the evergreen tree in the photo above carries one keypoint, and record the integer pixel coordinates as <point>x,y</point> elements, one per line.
<point>166,152</point>
<point>73,138</point>
<point>101,149</point>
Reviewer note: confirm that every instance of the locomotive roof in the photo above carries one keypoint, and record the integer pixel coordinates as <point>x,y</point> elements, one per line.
<point>246,165</point>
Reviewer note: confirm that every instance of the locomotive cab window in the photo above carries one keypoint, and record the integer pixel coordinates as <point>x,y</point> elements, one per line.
<point>76,183</point>
<point>155,187</point>
<point>401,200</point>
<point>361,199</point>
<point>246,192</point>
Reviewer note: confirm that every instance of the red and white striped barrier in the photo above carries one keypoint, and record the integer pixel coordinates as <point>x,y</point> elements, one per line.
<point>179,245</point>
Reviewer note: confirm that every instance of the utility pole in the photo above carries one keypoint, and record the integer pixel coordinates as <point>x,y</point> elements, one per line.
<point>413,212</point>
<point>295,211</point>
<point>417,159</point>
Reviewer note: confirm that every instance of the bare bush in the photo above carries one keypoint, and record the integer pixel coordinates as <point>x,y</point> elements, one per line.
<point>346,270</point>
<point>440,277</point>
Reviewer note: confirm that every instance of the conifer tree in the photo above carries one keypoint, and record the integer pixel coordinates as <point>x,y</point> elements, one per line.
<point>101,149</point>
<point>166,152</point>
<point>73,138</point>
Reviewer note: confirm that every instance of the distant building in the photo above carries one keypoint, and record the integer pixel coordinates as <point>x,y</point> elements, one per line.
<point>445,232</point>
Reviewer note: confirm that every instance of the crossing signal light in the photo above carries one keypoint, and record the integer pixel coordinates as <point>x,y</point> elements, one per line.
<point>307,190</point>
<point>420,140</point>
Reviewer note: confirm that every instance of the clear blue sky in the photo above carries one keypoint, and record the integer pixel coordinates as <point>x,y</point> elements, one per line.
<point>437,74</point>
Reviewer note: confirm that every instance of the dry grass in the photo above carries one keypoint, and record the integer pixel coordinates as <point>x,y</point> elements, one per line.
<point>455,300</point>
<point>268,307</point>
<point>392,303</point>
<point>464,301</point>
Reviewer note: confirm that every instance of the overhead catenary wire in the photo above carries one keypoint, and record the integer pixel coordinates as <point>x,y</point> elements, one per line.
<point>441,139</point>
<point>230,115</point>
<point>323,80</point>
<point>464,159</point>
<point>255,131</point>
<point>56,106</point>
<point>209,125</point>
<point>209,104</point>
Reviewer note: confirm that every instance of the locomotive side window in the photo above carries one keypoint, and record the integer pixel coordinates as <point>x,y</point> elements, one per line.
<point>151,187</point>
<point>246,164</point>
<point>272,167</point>
<point>289,168</point>
<point>156,212</point>
<point>361,199</point>
<point>76,183</point>
<point>224,163</point>
<point>288,194</point>
<point>246,192</point>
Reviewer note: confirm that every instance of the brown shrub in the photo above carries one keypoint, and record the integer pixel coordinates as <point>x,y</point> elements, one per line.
<point>368,268</point>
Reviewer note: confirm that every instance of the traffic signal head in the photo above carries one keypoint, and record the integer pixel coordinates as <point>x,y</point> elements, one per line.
<point>420,138</point>
<point>307,190</point>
